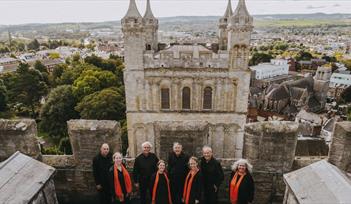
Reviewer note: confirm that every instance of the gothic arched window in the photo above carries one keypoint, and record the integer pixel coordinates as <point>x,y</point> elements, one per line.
<point>148,47</point>
<point>186,98</point>
<point>207,98</point>
<point>165,102</point>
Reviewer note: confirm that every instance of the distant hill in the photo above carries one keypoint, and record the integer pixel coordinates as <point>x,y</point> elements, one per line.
<point>261,21</point>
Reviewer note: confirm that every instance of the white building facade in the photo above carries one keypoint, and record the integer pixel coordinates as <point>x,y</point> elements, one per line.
<point>277,67</point>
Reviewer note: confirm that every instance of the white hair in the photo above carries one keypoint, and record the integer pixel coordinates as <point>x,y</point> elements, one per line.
<point>207,148</point>
<point>242,162</point>
<point>146,143</point>
<point>116,154</point>
<point>177,144</point>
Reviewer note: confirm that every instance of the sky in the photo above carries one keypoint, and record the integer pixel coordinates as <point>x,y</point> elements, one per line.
<point>58,11</point>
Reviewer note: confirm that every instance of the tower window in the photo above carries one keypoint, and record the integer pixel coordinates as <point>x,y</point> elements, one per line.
<point>186,98</point>
<point>207,98</point>
<point>148,47</point>
<point>165,98</point>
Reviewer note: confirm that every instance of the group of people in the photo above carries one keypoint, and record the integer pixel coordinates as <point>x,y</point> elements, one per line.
<point>183,179</point>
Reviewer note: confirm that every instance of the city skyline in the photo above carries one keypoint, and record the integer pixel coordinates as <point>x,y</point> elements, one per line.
<point>41,11</point>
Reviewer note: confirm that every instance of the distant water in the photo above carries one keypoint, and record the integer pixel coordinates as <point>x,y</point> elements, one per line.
<point>57,11</point>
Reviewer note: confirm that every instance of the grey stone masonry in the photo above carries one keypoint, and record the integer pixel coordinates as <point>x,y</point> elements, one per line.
<point>86,137</point>
<point>270,147</point>
<point>18,135</point>
<point>340,149</point>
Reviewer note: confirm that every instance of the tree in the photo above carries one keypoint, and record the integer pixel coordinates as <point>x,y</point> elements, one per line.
<point>34,45</point>
<point>28,87</point>
<point>58,109</point>
<point>260,57</point>
<point>38,65</point>
<point>304,55</point>
<point>3,96</point>
<point>108,104</point>
<point>92,80</point>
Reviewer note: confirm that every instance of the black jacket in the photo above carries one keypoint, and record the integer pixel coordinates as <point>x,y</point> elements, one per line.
<point>197,190</point>
<point>212,173</point>
<point>162,189</point>
<point>144,167</point>
<point>101,166</point>
<point>246,189</point>
<point>178,166</point>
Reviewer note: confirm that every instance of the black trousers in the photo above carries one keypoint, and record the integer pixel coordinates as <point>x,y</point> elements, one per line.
<point>210,195</point>
<point>176,190</point>
<point>145,192</point>
<point>104,197</point>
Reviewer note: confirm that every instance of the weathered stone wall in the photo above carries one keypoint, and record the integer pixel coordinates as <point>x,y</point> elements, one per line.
<point>270,147</point>
<point>340,148</point>
<point>86,137</point>
<point>18,135</point>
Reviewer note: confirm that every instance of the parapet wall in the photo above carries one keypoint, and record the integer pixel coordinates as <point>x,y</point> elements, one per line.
<point>270,148</point>
<point>340,149</point>
<point>18,135</point>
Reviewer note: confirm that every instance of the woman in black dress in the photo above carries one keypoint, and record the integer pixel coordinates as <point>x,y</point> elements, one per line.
<point>241,184</point>
<point>161,193</point>
<point>193,183</point>
<point>120,182</point>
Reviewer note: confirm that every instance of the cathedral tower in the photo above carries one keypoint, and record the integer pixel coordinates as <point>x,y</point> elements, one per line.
<point>150,29</point>
<point>223,24</point>
<point>132,28</point>
<point>239,35</point>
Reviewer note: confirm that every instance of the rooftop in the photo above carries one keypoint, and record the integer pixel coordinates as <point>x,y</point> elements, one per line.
<point>20,180</point>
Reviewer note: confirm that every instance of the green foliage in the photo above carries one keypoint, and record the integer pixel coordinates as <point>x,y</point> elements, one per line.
<point>260,57</point>
<point>26,87</point>
<point>304,55</point>
<point>54,55</point>
<point>3,96</point>
<point>114,64</point>
<point>34,45</point>
<point>38,65</point>
<point>92,80</point>
<point>58,109</point>
<point>65,145</point>
<point>108,104</point>
<point>51,151</point>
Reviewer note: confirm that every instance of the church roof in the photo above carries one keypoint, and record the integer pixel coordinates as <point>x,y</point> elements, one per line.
<point>229,10</point>
<point>320,182</point>
<point>22,178</point>
<point>241,10</point>
<point>148,13</point>
<point>186,48</point>
<point>132,10</point>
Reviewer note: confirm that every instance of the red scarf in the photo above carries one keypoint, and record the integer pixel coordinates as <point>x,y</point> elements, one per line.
<point>234,187</point>
<point>187,186</point>
<point>127,181</point>
<point>155,188</point>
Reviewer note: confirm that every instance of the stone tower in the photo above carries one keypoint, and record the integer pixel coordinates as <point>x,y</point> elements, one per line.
<point>132,28</point>
<point>150,28</point>
<point>239,35</point>
<point>223,25</point>
<point>184,93</point>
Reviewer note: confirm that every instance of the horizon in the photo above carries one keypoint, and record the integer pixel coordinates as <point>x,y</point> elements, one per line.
<point>93,11</point>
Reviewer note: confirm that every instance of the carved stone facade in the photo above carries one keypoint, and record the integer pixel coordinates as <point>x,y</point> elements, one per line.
<point>187,93</point>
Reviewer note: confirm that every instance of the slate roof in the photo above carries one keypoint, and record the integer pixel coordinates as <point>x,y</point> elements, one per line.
<point>22,178</point>
<point>319,183</point>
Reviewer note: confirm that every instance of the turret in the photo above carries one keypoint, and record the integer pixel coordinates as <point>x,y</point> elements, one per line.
<point>223,24</point>
<point>150,28</point>
<point>239,36</point>
<point>132,28</point>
